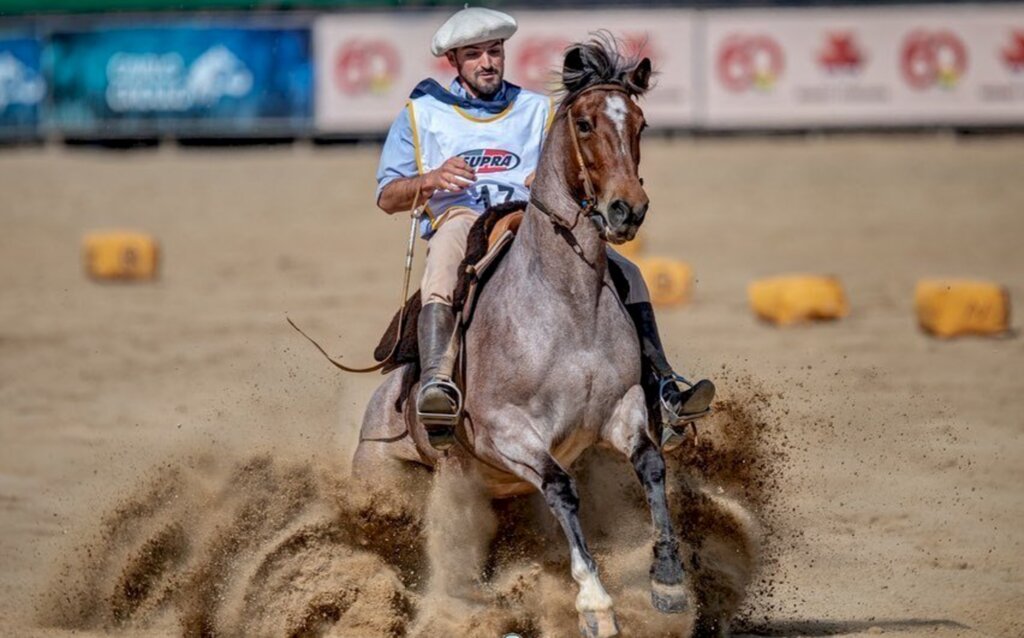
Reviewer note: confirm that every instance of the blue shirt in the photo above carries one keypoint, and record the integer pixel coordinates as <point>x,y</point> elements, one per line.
<point>398,157</point>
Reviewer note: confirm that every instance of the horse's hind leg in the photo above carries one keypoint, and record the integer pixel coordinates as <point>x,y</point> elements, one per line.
<point>594,605</point>
<point>626,432</point>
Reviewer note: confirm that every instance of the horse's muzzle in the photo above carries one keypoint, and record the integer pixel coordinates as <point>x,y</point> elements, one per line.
<point>624,220</point>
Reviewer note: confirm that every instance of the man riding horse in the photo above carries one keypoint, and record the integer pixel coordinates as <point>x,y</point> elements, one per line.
<point>461,150</point>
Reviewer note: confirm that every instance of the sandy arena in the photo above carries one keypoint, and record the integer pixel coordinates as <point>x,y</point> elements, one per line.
<point>174,456</point>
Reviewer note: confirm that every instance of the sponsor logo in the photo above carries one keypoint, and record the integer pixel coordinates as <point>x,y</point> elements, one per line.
<point>1013,53</point>
<point>538,61</point>
<point>747,62</point>
<point>490,160</point>
<point>933,58</point>
<point>163,82</point>
<point>841,54</point>
<point>366,66</point>
<point>19,83</point>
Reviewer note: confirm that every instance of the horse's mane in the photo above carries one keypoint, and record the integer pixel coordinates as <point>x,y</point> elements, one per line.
<point>600,61</point>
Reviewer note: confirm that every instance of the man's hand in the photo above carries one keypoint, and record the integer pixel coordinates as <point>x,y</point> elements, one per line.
<point>454,175</point>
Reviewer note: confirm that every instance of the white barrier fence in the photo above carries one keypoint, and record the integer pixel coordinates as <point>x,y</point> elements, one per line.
<point>782,68</point>
<point>797,68</point>
<point>367,64</point>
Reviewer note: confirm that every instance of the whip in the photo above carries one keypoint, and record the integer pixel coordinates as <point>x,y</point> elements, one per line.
<point>414,215</point>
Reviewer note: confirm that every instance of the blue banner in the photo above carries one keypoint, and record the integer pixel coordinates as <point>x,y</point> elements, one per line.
<point>181,80</point>
<point>22,87</point>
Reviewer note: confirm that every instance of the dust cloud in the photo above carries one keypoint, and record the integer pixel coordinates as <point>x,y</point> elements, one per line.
<point>281,544</point>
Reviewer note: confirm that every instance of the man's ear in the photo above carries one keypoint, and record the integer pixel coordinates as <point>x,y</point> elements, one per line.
<point>452,59</point>
<point>639,79</point>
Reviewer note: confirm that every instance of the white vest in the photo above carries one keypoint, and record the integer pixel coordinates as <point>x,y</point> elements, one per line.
<point>503,149</point>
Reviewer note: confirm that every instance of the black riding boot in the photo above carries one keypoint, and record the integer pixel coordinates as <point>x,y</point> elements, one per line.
<point>439,401</point>
<point>659,381</point>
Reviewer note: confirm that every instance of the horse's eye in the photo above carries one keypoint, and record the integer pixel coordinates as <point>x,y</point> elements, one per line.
<point>584,126</point>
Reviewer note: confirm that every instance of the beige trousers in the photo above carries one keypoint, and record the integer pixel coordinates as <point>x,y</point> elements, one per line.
<point>447,248</point>
<point>445,251</point>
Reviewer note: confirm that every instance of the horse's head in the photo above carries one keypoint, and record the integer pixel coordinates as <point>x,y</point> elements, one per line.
<point>604,124</point>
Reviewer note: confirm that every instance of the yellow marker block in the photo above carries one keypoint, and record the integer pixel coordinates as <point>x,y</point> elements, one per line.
<point>670,281</point>
<point>955,307</point>
<point>796,298</point>
<point>120,255</point>
<point>631,249</point>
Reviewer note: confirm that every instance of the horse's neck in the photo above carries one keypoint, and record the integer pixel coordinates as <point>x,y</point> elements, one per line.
<point>579,274</point>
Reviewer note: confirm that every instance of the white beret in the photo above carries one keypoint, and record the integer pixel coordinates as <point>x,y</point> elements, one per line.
<point>472,25</point>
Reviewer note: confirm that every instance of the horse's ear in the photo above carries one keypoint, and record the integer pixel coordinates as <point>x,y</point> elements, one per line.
<point>639,79</point>
<point>573,68</point>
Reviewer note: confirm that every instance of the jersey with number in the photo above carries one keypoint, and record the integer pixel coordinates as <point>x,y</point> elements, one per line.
<point>503,149</point>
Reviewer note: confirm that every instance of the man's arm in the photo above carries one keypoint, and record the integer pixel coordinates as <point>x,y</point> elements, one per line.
<point>398,181</point>
<point>454,175</point>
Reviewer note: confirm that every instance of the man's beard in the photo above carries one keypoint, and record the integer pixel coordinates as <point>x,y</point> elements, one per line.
<point>484,91</point>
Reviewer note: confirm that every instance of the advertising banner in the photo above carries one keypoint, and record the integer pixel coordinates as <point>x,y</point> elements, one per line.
<point>231,80</point>
<point>368,64</point>
<point>878,66</point>
<point>22,86</point>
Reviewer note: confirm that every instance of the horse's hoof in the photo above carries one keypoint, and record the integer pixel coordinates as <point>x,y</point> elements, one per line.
<point>669,599</point>
<point>598,624</point>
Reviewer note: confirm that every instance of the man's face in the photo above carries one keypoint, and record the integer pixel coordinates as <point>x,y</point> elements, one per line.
<point>481,66</point>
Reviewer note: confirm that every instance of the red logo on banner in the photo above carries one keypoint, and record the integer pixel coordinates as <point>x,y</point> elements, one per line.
<point>366,66</point>
<point>538,62</point>
<point>841,53</point>
<point>933,58</point>
<point>745,62</point>
<point>1013,54</point>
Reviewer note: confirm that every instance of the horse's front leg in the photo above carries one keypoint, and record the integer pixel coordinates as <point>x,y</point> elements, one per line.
<point>516,443</point>
<point>626,432</point>
<point>593,603</point>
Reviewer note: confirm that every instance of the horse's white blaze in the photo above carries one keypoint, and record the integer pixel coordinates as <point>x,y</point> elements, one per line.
<point>592,596</point>
<point>615,109</point>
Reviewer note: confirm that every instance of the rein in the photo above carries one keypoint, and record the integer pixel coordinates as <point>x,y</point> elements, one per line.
<point>409,252</point>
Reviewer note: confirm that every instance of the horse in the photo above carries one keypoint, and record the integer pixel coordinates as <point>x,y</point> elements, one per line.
<point>552,360</point>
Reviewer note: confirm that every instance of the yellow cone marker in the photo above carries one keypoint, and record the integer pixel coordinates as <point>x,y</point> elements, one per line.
<point>120,255</point>
<point>669,280</point>
<point>798,298</point>
<point>956,307</point>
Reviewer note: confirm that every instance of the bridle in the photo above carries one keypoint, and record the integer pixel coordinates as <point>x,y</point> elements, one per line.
<point>587,207</point>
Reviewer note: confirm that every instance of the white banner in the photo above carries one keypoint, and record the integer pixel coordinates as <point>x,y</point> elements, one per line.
<point>366,65</point>
<point>878,66</point>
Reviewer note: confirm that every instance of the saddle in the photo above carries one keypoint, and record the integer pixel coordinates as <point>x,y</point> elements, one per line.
<point>488,240</point>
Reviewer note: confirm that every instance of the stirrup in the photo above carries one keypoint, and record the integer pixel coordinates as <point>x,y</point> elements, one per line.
<point>671,438</point>
<point>441,419</point>
<point>670,417</point>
